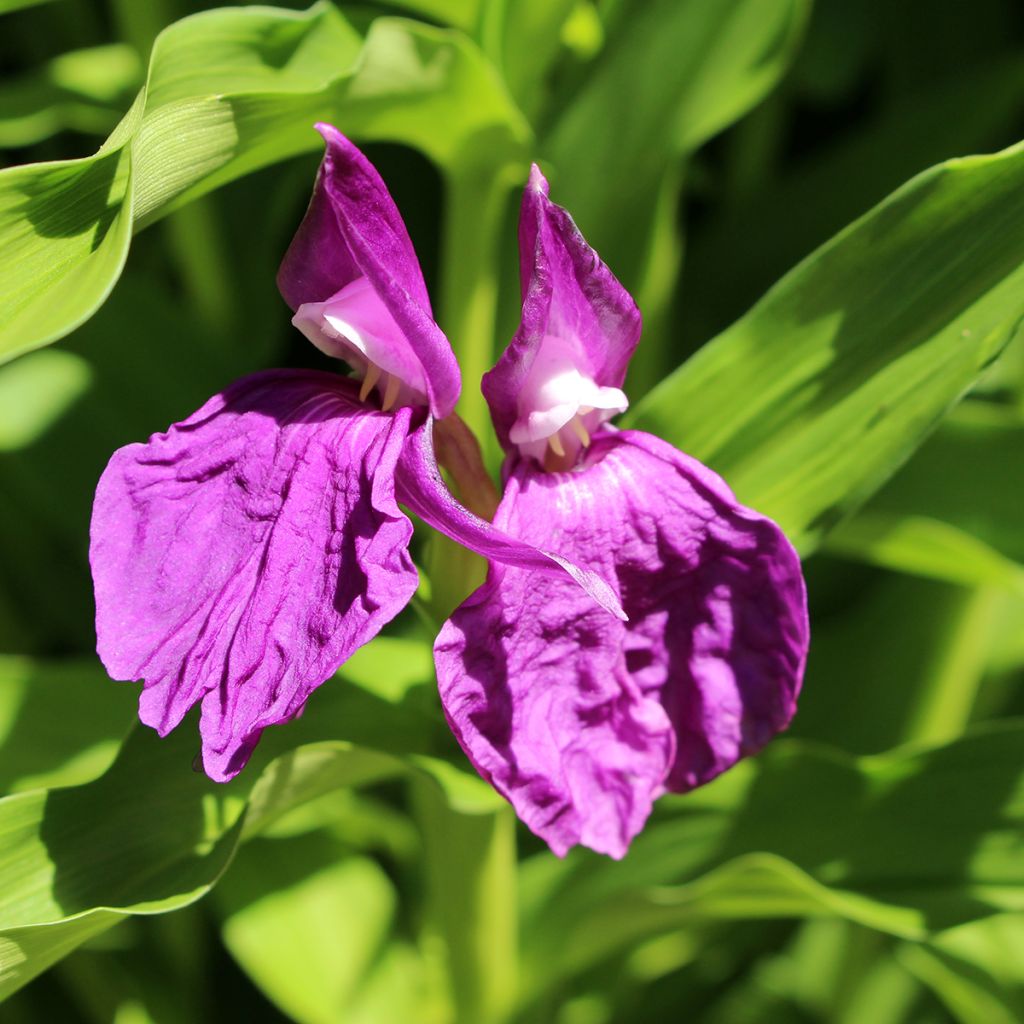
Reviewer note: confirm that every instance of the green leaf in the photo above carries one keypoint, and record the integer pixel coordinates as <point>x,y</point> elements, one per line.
<point>952,512</point>
<point>676,73</point>
<point>470,877</point>
<point>925,547</point>
<point>913,650</point>
<point>810,401</point>
<point>307,923</point>
<point>964,475</point>
<point>151,835</point>
<point>971,1000</point>
<point>27,952</point>
<point>81,90</point>
<point>988,954</point>
<point>35,392</point>
<point>462,14</point>
<point>432,89</point>
<point>7,6</point>
<point>523,38</point>
<point>60,723</point>
<point>64,229</point>
<point>230,91</point>
<point>908,843</point>
<point>673,73</point>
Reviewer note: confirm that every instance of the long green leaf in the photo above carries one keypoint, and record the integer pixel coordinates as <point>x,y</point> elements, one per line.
<point>230,91</point>
<point>908,843</point>
<point>810,401</point>
<point>673,73</point>
<point>65,229</point>
<point>924,546</point>
<point>151,835</point>
<point>307,923</point>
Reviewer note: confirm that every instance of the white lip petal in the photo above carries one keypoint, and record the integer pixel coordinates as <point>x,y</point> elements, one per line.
<point>356,326</point>
<point>559,405</point>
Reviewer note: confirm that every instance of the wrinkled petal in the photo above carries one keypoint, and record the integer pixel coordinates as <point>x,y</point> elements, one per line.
<point>578,330</point>
<point>241,557</point>
<point>353,230</point>
<point>422,489</point>
<point>582,720</point>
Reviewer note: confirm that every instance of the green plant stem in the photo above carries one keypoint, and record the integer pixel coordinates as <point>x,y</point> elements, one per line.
<point>470,858</point>
<point>958,669</point>
<point>470,871</point>
<point>199,255</point>
<point>473,215</point>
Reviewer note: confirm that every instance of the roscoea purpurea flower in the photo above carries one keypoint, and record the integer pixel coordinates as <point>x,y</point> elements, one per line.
<point>242,556</point>
<point>579,718</point>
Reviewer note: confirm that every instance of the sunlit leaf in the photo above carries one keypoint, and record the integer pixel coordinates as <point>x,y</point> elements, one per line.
<point>925,547</point>
<point>306,922</point>
<point>810,401</point>
<point>60,724</point>
<point>65,229</point>
<point>81,90</point>
<point>908,843</point>
<point>671,75</point>
<point>35,392</point>
<point>230,91</point>
<point>968,475</point>
<point>151,835</point>
<point>17,5</point>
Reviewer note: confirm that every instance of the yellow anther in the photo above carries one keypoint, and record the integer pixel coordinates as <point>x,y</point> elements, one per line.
<point>373,372</point>
<point>390,392</point>
<point>556,445</point>
<point>580,430</point>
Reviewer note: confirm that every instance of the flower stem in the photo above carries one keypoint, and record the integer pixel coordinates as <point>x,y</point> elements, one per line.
<point>471,902</point>
<point>473,215</point>
<point>470,858</point>
<point>959,666</point>
<point>473,219</point>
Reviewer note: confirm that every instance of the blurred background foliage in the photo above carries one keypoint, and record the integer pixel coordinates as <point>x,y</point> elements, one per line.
<point>360,873</point>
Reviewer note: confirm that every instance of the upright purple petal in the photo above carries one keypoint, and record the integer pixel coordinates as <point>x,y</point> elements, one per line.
<point>353,230</point>
<point>582,720</point>
<point>241,557</point>
<point>578,330</point>
<point>422,490</point>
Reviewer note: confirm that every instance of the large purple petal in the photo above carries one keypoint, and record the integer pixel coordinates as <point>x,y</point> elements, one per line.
<point>422,489</point>
<point>241,557</point>
<point>575,313</point>
<point>582,720</point>
<point>352,229</point>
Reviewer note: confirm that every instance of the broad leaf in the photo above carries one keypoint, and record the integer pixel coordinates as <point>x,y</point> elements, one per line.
<point>673,73</point>
<point>60,723</point>
<point>151,835</point>
<point>64,229</point>
<point>230,91</point>
<point>307,923</point>
<point>924,546</point>
<point>909,843</point>
<point>810,401</point>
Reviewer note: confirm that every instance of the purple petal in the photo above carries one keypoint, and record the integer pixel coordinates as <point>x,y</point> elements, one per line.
<point>241,557</point>
<point>352,230</point>
<point>578,330</point>
<point>582,720</point>
<point>422,489</point>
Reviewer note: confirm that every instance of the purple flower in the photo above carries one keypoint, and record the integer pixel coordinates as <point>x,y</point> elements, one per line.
<point>578,718</point>
<point>241,557</point>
